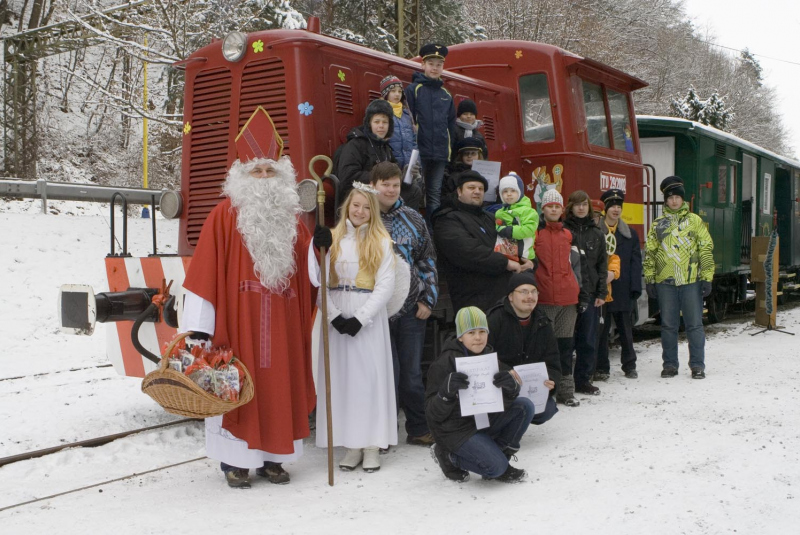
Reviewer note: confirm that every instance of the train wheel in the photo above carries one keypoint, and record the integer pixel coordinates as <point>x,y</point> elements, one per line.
<point>717,307</point>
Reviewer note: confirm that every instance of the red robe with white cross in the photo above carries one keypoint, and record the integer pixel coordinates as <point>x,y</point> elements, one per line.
<point>269,332</point>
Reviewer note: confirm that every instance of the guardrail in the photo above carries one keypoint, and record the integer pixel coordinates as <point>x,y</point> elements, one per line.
<point>67,191</point>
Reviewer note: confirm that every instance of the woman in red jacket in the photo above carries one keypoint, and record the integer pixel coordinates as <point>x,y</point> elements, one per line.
<point>560,291</point>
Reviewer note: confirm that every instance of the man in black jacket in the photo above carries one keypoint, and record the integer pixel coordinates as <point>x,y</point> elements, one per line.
<point>460,447</point>
<point>465,236</point>
<point>523,334</point>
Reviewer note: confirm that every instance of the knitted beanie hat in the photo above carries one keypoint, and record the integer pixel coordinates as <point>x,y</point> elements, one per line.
<point>552,196</point>
<point>469,319</point>
<point>465,106</point>
<point>511,181</point>
<point>388,83</point>
<point>519,279</point>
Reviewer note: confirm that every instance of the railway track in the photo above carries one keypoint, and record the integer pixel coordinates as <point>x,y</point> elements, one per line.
<point>54,373</point>
<point>89,443</point>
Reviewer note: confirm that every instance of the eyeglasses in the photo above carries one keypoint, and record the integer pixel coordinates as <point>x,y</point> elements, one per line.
<point>526,293</point>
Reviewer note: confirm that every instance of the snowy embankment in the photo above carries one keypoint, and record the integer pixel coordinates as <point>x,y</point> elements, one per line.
<point>647,456</point>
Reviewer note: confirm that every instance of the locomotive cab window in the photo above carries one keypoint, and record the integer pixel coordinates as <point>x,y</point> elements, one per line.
<point>606,108</point>
<point>537,114</point>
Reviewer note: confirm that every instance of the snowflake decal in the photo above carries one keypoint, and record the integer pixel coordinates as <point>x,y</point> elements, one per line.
<point>187,128</point>
<point>258,46</point>
<point>518,54</point>
<point>305,108</point>
<point>341,75</point>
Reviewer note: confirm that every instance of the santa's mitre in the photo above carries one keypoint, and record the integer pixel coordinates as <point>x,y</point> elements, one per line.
<point>259,138</point>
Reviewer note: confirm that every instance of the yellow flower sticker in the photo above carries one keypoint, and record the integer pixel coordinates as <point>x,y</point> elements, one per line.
<point>187,128</point>
<point>518,54</point>
<point>341,75</point>
<point>258,46</point>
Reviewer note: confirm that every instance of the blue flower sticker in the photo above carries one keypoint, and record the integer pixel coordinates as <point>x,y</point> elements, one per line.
<point>305,108</point>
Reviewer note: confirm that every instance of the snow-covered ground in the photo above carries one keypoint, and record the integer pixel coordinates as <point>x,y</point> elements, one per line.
<point>647,456</point>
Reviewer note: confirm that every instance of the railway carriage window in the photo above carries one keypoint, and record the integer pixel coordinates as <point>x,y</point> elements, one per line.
<point>722,184</point>
<point>537,114</point>
<point>596,125</point>
<point>620,120</point>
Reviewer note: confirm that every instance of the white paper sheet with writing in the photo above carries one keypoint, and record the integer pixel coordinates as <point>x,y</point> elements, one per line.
<point>533,377</point>
<point>491,172</point>
<point>408,179</point>
<point>481,396</point>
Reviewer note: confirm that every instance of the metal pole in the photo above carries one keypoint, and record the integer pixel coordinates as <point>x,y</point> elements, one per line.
<point>41,185</point>
<point>144,125</point>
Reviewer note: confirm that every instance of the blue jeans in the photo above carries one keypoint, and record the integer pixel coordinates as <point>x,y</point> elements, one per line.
<point>672,301</point>
<point>586,344</point>
<point>550,410</point>
<point>483,452</point>
<point>433,170</point>
<point>408,338</point>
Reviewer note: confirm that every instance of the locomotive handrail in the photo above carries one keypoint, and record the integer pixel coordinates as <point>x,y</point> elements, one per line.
<point>124,224</point>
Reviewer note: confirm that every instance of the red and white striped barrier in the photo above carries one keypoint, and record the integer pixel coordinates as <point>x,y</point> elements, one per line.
<point>143,272</point>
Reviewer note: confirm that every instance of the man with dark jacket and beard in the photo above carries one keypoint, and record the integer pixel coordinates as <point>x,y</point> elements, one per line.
<point>368,145</point>
<point>465,237</point>
<point>523,334</point>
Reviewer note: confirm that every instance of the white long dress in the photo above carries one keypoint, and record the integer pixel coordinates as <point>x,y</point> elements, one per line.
<point>363,407</point>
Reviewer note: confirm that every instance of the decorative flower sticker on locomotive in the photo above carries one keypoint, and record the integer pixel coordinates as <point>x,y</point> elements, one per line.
<point>341,75</point>
<point>305,108</point>
<point>258,46</point>
<point>542,181</point>
<point>518,54</point>
<point>187,128</point>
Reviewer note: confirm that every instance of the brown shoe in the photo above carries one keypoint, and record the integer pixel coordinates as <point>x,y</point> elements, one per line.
<point>422,440</point>
<point>238,478</point>
<point>274,473</point>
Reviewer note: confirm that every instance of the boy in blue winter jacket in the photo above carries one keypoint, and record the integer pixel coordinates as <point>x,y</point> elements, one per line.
<point>517,220</point>
<point>404,139</point>
<point>435,114</point>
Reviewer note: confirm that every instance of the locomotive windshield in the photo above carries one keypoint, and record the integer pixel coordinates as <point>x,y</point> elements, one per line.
<point>537,115</point>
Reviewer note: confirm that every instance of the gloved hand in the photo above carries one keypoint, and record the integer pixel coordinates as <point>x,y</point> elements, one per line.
<point>651,291</point>
<point>322,237</point>
<point>455,381</point>
<point>351,326</point>
<point>582,307</point>
<point>339,324</point>
<point>506,232</point>
<point>198,338</point>
<point>705,286</point>
<point>635,296</point>
<point>506,381</point>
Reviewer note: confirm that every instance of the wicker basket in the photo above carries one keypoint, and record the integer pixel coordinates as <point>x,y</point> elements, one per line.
<point>178,394</point>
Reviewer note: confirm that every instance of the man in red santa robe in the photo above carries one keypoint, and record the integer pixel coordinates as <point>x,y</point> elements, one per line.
<point>247,288</point>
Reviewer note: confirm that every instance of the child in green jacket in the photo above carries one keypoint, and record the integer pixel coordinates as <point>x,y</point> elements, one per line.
<point>517,219</point>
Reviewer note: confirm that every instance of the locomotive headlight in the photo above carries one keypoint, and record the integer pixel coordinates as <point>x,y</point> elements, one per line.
<point>171,204</point>
<point>234,45</point>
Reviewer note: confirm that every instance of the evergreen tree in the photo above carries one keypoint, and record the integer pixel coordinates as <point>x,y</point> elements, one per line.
<point>711,112</point>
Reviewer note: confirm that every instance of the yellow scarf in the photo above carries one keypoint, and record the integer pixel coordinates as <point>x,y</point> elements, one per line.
<point>398,108</point>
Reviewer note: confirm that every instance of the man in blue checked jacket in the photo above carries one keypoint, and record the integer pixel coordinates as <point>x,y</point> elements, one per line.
<point>407,328</point>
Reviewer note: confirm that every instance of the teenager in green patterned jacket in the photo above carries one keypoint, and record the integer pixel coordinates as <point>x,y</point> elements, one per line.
<point>678,270</point>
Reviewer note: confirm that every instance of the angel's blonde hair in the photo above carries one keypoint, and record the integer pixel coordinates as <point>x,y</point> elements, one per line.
<point>369,243</point>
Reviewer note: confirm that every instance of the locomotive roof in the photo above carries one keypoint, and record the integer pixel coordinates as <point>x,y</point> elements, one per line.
<point>676,123</point>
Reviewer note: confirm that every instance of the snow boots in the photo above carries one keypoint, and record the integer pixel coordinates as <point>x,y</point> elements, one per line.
<point>351,459</point>
<point>274,473</point>
<point>238,478</point>
<point>450,471</point>
<point>566,392</point>
<point>372,461</point>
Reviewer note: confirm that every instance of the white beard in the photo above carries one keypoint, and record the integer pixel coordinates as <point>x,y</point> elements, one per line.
<point>267,211</point>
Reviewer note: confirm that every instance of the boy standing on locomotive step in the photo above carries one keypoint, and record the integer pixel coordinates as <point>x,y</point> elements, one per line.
<point>435,114</point>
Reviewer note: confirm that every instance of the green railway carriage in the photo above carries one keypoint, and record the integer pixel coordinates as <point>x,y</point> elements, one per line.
<point>739,189</point>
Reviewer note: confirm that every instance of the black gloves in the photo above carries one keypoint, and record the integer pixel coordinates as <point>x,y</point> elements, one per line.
<point>582,307</point>
<point>197,338</point>
<point>705,286</point>
<point>322,237</point>
<point>651,291</point>
<point>339,323</point>
<point>506,232</point>
<point>349,326</point>
<point>506,381</point>
<point>455,381</point>
<point>635,296</point>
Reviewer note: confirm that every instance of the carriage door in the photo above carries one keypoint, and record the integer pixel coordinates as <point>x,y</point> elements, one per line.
<point>749,208</point>
<point>726,211</point>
